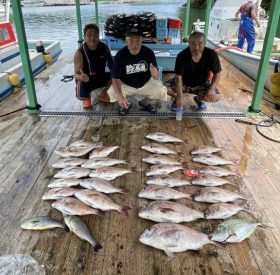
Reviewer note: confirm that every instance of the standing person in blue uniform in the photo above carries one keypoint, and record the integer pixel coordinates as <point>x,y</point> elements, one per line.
<point>246,27</point>
<point>90,63</point>
<point>135,72</point>
<point>193,68</point>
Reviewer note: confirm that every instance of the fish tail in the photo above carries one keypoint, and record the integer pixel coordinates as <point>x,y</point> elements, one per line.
<point>123,191</point>
<point>124,210</point>
<point>189,196</point>
<point>97,246</point>
<point>133,169</point>
<point>246,197</point>
<point>220,245</point>
<point>250,212</point>
<point>131,163</point>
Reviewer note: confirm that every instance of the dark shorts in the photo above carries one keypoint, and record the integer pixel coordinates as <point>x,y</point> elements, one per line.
<point>83,89</point>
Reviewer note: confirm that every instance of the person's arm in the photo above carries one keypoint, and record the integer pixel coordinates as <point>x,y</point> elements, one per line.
<point>154,71</point>
<point>122,100</point>
<point>212,96</point>
<point>255,17</point>
<point>237,14</point>
<point>78,67</point>
<point>179,90</point>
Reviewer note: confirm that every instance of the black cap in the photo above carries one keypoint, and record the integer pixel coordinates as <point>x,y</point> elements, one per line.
<point>133,32</point>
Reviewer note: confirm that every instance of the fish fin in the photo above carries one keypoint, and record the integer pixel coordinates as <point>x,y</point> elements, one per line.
<point>123,191</point>
<point>96,247</point>
<point>165,210</point>
<point>220,245</point>
<point>124,210</point>
<point>169,254</point>
<point>189,197</point>
<point>99,212</point>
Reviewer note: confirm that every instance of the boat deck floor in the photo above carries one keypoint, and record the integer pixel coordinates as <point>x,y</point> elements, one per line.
<point>27,145</point>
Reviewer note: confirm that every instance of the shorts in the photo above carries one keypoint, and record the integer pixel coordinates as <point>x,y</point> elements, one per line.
<point>83,89</point>
<point>153,89</point>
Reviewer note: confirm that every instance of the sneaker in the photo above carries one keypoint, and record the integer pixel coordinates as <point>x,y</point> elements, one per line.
<point>173,106</point>
<point>200,104</point>
<point>87,103</point>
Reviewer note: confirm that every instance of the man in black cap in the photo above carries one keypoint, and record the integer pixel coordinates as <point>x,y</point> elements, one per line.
<point>135,72</point>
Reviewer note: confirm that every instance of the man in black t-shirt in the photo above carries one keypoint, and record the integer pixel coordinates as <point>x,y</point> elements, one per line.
<point>90,63</point>
<point>193,67</point>
<point>135,72</point>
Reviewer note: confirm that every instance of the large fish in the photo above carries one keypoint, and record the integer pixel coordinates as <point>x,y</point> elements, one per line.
<point>211,160</point>
<point>224,211</point>
<point>167,181</point>
<point>100,201</point>
<point>167,211</point>
<point>158,149</point>
<point>216,171</point>
<point>215,194</point>
<point>163,169</point>
<point>85,144</point>
<point>72,206</point>
<point>41,223</point>
<point>205,150</point>
<point>79,228</point>
<point>101,186</point>
<point>171,237</point>
<point>68,162</point>
<point>72,173</point>
<point>162,137</point>
<point>64,183</point>
<point>156,192</point>
<point>160,159</point>
<point>59,193</point>
<point>103,151</point>
<point>209,180</point>
<point>234,231</point>
<point>105,162</point>
<point>110,173</point>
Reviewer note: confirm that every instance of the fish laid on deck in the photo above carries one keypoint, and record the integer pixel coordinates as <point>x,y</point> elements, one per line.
<point>163,169</point>
<point>59,193</point>
<point>209,180</point>
<point>94,163</point>
<point>171,238</point>
<point>68,162</point>
<point>212,160</point>
<point>164,138</point>
<point>224,211</point>
<point>64,183</point>
<point>217,171</point>
<point>72,173</point>
<point>79,228</point>
<point>160,159</point>
<point>158,149</point>
<point>103,151</point>
<point>167,181</point>
<point>41,223</point>
<point>234,231</point>
<point>102,186</point>
<point>100,201</point>
<point>205,150</point>
<point>156,192</point>
<point>110,173</point>
<point>167,211</point>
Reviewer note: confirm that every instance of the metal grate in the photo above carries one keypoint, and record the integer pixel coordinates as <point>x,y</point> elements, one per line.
<point>133,114</point>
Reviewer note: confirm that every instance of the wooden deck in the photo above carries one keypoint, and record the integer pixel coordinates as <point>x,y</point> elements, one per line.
<point>27,145</point>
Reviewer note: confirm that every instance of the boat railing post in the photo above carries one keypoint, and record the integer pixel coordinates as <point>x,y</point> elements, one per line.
<point>96,13</point>
<point>187,19</point>
<point>207,17</point>
<point>79,22</point>
<point>24,53</point>
<point>264,62</point>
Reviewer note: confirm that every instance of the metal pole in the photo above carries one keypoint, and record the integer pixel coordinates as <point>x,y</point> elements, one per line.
<point>187,18</point>
<point>24,53</point>
<point>79,22</point>
<point>207,18</point>
<point>96,13</point>
<point>264,62</point>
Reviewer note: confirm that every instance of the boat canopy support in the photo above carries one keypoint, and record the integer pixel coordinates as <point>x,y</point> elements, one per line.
<point>187,18</point>
<point>79,22</point>
<point>207,18</point>
<point>23,47</point>
<point>264,63</point>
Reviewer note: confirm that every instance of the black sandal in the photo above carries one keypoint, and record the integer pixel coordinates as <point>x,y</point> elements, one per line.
<point>146,106</point>
<point>124,111</point>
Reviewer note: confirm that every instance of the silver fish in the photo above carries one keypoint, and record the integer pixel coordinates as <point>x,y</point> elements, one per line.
<point>66,152</point>
<point>85,144</point>
<point>224,211</point>
<point>105,162</point>
<point>157,149</point>
<point>167,181</point>
<point>156,192</point>
<point>211,160</point>
<point>41,223</point>
<point>59,193</point>
<point>208,180</point>
<point>217,171</point>
<point>215,194</point>
<point>72,206</point>
<point>163,169</point>
<point>167,211</point>
<point>103,151</point>
<point>162,137</point>
<point>72,172</point>
<point>101,186</point>
<point>171,237</point>
<point>205,150</point>
<point>234,231</point>
<point>64,183</point>
<point>79,228</point>
<point>160,159</point>
<point>110,173</point>
<point>100,201</point>
<point>68,162</point>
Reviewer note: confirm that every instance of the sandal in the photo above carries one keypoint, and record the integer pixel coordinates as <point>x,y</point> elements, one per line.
<point>146,106</point>
<point>123,111</point>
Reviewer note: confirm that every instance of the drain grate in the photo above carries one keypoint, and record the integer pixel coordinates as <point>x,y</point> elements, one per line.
<point>134,114</point>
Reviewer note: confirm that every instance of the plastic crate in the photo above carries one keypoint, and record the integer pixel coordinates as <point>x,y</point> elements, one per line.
<point>173,33</point>
<point>161,23</point>
<point>175,23</point>
<point>161,32</point>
